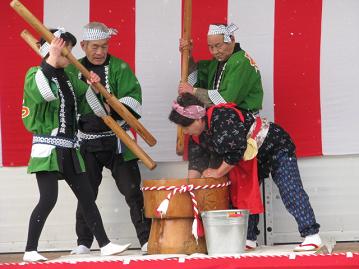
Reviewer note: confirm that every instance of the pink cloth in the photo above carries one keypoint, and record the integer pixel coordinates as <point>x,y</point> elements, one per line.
<point>191,112</point>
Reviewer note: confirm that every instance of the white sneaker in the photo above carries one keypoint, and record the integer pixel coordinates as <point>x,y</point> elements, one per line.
<point>311,243</point>
<point>113,249</point>
<point>33,256</point>
<point>144,248</point>
<point>251,245</point>
<point>81,249</point>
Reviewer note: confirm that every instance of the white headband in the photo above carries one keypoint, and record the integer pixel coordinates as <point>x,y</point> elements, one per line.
<point>223,30</point>
<point>97,34</point>
<point>45,48</point>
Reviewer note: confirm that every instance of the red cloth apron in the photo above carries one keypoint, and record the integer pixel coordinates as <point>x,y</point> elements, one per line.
<point>245,192</point>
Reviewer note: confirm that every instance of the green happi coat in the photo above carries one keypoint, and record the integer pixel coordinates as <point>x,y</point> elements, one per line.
<point>40,115</point>
<point>239,83</point>
<point>121,82</point>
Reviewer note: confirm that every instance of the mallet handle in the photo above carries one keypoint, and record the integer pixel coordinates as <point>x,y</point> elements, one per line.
<point>186,34</point>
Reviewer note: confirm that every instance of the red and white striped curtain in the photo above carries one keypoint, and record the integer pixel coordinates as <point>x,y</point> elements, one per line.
<point>306,50</point>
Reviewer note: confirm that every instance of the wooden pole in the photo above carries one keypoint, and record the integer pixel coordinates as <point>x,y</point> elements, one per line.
<point>111,100</point>
<point>30,40</point>
<point>129,142</point>
<point>108,120</point>
<point>186,35</point>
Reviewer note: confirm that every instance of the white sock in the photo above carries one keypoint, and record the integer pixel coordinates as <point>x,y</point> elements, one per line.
<point>33,256</point>
<point>81,249</point>
<point>312,239</point>
<point>252,244</point>
<point>113,249</point>
<point>310,243</point>
<point>144,247</point>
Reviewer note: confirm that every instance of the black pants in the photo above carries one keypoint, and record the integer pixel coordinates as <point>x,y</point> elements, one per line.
<point>128,179</point>
<point>48,188</point>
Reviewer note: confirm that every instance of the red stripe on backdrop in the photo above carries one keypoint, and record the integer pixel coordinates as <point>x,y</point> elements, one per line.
<point>297,72</point>
<point>16,141</point>
<point>119,15</point>
<point>204,13</point>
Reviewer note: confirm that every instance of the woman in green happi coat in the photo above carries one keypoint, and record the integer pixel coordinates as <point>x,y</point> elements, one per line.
<point>51,98</point>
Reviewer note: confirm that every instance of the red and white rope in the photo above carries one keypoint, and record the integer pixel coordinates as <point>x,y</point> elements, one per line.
<point>170,188</point>
<point>197,226</point>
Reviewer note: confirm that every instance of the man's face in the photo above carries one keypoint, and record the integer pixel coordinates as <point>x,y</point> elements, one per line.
<point>218,48</point>
<point>95,50</point>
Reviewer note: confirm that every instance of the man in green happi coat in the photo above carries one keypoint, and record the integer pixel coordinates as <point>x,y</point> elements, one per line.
<point>231,76</point>
<point>99,145</point>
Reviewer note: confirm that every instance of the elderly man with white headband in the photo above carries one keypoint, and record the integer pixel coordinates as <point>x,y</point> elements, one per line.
<point>230,76</point>
<point>99,144</point>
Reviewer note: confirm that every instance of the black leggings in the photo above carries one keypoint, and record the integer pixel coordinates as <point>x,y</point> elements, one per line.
<point>48,188</point>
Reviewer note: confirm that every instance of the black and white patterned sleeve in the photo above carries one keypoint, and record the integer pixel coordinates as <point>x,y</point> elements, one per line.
<point>229,135</point>
<point>43,77</point>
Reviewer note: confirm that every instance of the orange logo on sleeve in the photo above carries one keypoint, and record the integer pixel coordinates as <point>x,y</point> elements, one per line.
<point>251,61</point>
<point>25,112</point>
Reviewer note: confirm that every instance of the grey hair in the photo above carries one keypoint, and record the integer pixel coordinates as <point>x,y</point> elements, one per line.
<point>97,25</point>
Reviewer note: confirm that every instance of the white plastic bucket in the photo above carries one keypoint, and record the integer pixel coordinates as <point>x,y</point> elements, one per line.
<point>225,231</point>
